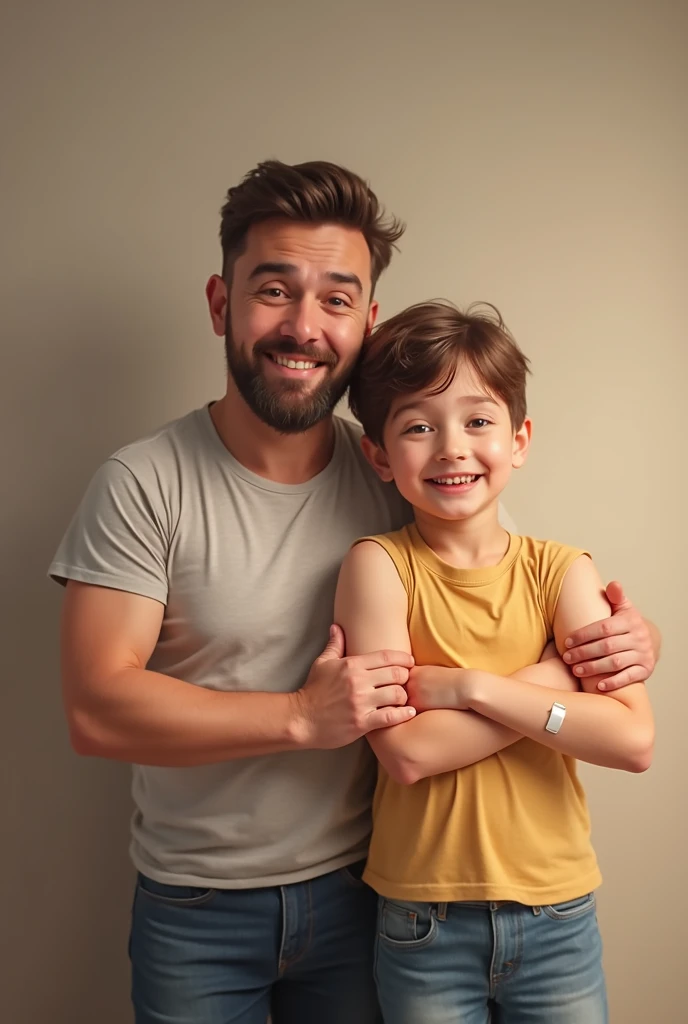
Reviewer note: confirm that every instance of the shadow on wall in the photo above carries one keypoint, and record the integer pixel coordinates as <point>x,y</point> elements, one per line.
<point>68,878</point>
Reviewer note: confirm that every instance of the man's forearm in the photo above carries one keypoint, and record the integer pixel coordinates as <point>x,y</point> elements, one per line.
<point>144,717</point>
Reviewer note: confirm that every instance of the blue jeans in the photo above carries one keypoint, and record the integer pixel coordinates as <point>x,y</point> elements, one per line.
<point>470,963</point>
<point>302,953</point>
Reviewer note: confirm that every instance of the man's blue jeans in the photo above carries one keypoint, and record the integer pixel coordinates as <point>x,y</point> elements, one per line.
<point>302,953</point>
<point>470,963</point>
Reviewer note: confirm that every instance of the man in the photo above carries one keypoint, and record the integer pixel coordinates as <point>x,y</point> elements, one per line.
<point>202,565</point>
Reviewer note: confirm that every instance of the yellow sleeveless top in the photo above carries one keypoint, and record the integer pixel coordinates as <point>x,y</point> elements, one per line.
<point>514,826</point>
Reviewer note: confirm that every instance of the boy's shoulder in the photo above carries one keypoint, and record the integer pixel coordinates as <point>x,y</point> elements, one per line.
<point>545,551</point>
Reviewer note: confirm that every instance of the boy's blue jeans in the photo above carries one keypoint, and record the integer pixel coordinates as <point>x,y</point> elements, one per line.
<point>302,952</point>
<point>470,963</point>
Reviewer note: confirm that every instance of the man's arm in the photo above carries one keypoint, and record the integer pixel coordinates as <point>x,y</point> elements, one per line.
<point>118,709</point>
<point>621,649</point>
<point>371,607</point>
<point>617,731</point>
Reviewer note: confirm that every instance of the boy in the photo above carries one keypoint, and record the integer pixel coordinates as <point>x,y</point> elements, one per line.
<point>481,849</point>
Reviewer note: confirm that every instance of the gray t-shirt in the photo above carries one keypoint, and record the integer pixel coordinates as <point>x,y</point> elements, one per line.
<point>246,569</point>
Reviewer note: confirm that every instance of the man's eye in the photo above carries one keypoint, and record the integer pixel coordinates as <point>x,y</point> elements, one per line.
<point>479,421</point>
<point>337,301</point>
<point>274,293</point>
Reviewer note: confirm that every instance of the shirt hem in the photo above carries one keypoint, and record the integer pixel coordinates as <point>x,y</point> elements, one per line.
<point>262,882</point>
<point>459,892</point>
<point>61,573</point>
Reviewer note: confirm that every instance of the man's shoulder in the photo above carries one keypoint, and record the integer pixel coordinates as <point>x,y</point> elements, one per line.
<point>172,441</point>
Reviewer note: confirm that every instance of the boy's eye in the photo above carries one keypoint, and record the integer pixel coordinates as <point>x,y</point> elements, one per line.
<point>418,428</point>
<point>479,421</point>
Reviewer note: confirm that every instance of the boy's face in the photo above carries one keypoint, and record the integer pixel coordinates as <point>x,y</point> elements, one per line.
<point>451,454</point>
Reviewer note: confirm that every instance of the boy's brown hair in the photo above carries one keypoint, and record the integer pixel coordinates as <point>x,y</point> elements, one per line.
<point>315,193</point>
<point>420,349</point>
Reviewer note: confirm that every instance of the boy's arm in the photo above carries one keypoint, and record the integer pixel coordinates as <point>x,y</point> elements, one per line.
<point>616,730</point>
<point>371,607</point>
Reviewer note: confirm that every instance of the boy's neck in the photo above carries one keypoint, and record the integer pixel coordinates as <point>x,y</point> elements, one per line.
<point>471,543</point>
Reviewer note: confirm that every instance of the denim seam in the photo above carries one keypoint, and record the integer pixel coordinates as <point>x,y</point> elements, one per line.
<point>285,964</point>
<point>571,915</point>
<point>410,944</point>
<point>173,901</point>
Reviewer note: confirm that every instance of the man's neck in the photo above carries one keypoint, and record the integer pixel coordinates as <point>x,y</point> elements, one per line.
<point>282,458</point>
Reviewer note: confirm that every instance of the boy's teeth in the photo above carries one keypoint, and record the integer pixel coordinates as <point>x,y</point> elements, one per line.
<point>294,364</point>
<point>456,479</point>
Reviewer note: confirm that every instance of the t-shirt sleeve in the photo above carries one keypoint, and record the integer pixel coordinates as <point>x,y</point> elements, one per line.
<point>118,538</point>
<point>555,562</point>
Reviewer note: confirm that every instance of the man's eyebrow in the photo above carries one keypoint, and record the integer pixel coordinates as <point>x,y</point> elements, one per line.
<point>283,269</point>
<point>272,268</point>
<point>340,278</point>
<point>417,402</point>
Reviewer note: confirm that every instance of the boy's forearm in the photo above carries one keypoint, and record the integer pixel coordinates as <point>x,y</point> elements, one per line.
<point>436,742</point>
<point>597,729</point>
<point>445,739</point>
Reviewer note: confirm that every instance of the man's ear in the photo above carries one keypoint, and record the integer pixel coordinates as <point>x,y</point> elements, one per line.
<point>371,318</point>
<point>377,457</point>
<point>218,298</point>
<point>521,443</point>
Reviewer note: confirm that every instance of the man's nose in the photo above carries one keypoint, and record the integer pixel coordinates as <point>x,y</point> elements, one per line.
<point>302,322</point>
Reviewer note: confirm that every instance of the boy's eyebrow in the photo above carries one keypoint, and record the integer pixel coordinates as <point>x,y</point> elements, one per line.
<point>337,276</point>
<point>416,402</point>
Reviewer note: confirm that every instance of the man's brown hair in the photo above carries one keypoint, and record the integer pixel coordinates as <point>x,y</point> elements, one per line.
<point>314,193</point>
<point>420,350</point>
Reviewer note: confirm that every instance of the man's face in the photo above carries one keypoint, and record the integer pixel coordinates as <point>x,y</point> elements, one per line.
<point>299,307</point>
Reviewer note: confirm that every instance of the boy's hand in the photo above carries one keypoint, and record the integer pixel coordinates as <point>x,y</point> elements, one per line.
<point>431,688</point>
<point>619,648</point>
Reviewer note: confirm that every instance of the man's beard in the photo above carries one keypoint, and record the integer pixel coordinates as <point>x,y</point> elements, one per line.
<point>288,406</point>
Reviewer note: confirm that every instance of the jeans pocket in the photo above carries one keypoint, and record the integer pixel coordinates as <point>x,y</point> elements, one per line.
<point>175,895</point>
<point>571,908</point>
<point>407,925</point>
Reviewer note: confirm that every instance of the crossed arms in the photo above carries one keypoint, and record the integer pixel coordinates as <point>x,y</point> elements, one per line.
<point>468,714</point>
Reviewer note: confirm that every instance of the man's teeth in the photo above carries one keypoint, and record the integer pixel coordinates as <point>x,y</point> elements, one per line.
<point>455,479</point>
<point>294,364</point>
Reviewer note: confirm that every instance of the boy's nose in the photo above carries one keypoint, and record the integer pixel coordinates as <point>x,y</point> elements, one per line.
<point>454,451</point>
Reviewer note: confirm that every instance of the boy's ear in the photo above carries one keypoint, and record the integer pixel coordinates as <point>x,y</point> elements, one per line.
<point>521,443</point>
<point>377,457</point>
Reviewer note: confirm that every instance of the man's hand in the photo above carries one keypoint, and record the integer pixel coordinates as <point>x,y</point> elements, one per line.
<point>346,698</point>
<point>619,648</point>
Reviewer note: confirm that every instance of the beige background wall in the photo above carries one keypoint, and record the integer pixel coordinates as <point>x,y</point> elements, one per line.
<point>538,153</point>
